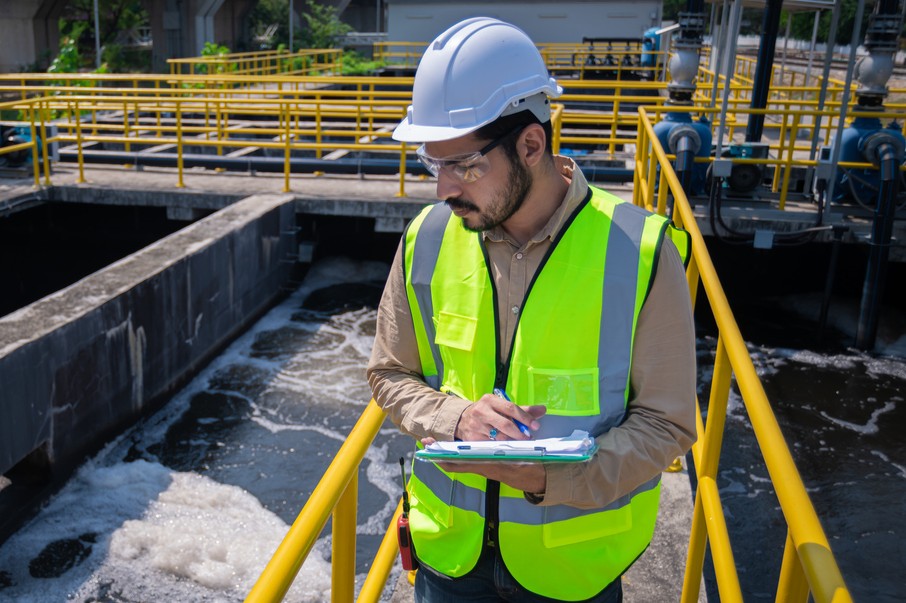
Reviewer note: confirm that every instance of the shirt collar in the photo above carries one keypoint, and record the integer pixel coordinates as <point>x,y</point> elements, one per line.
<point>575,194</point>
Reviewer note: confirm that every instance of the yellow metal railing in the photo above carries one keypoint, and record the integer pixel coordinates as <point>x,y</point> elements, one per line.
<point>808,565</point>
<point>309,61</point>
<point>399,54</point>
<point>234,113</point>
<point>335,495</point>
<point>568,58</point>
<point>227,112</point>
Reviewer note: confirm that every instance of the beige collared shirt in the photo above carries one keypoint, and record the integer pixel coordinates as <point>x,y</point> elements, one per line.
<point>660,419</point>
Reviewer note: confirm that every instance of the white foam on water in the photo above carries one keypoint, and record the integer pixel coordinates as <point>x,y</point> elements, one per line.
<point>900,468</point>
<point>159,535</point>
<point>868,428</point>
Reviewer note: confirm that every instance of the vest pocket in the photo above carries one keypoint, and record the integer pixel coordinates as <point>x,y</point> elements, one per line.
<point>570,392</point>
<point>455,330</point>
<point>588,527</point>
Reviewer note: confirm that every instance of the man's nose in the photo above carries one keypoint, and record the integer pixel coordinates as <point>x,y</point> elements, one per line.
<point>448,186</point>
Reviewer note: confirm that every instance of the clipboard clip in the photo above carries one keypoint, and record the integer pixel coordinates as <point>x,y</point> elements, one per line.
<point>466,450</point>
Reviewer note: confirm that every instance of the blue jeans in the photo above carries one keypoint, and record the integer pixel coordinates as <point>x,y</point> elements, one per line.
<point>490,582</point>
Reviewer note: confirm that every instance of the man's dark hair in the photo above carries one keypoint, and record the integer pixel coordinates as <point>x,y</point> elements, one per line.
<point>503,125</point>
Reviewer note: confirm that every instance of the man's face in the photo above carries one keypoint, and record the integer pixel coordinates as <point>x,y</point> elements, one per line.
<point>490,200</point>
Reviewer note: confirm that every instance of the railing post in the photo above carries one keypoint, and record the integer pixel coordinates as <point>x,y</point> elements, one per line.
<point>788,167</point>
<point>402,192</point>
<point>126,145</point>
<point>44,147</point>
<point>179,159</point>
<point>792,587</point>
<point>318,125</point>
<point>79,144</point>
<point>34,145</point>
<point>286,147</point>
<point>661,193</point>
<point>342,579</point>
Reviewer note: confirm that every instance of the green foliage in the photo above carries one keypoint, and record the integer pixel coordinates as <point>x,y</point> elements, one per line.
<point>323,26</point>
<point>114,16</point>
<point>269,15</point>
<point>69,59</point>
<point>212,49</point>
<point>356,64</point>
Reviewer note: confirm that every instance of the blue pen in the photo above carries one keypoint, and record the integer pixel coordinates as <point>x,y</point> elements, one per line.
<point>522,427</point>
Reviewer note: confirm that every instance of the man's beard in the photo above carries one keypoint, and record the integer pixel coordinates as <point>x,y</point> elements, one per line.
<point>503,206</point>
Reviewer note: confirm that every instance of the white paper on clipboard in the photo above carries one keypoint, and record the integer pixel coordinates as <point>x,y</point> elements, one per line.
<point>577,444</point>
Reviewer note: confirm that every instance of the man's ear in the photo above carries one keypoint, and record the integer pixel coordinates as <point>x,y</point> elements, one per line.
<point>531,144</point>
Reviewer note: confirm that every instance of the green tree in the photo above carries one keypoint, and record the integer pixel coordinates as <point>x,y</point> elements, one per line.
<point>268,24</point>
<point>114,16</point>
<point>323,26</point>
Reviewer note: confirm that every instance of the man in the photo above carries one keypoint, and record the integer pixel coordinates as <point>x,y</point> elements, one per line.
<point>569,299</point>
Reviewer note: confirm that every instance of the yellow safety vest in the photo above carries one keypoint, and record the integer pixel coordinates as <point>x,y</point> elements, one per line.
<point>571,352</point>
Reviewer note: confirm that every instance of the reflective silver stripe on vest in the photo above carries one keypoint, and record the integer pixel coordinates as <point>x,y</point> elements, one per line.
<point>463,496</point>
<point>428,240</point>
<point>621,274</point>
<point>518,510</point>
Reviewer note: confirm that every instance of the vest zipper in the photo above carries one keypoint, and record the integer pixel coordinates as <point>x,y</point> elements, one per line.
<point>492,504</point>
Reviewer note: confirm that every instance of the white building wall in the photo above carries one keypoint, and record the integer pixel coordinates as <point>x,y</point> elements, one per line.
<point>544,22</point>
<point>17,34</point>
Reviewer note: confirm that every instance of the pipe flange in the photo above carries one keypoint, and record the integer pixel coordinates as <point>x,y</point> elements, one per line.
<point>681,131</point>
<point>870,144</point>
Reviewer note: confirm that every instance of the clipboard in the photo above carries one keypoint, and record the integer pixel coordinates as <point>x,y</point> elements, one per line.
<point>539,455</point>
<point>577,447</point>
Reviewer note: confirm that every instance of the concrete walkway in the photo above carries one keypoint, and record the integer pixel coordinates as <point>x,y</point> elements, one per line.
<point>657,577</point>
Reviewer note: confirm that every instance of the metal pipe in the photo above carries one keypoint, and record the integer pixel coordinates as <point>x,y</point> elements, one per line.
<point>825,75</point>
<point>786,42</point>
<point>762,84</point>
<point>811,48</point>
<point>297,164</point>
<point>879,251</point>
<point>733,35</point>
<point>829,280</point>
<point>717,56</point>
<point>844,105</point>
<point>97,36</point>
<point>290,26</point>
<point>685,160</point>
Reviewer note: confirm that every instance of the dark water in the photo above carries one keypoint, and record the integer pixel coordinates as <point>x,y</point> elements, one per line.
<point>842,416</point>
<point>191,504</point>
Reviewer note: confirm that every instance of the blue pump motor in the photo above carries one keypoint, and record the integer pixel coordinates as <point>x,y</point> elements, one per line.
<point>857,144</point>
<point>11,135</point>
<point>651,44</point>
<point>672,127</point>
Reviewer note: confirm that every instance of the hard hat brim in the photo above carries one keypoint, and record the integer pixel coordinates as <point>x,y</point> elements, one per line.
<point>409,132</point>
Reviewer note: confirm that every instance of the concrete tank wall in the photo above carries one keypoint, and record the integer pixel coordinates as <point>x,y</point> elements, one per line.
<point>79,365</point>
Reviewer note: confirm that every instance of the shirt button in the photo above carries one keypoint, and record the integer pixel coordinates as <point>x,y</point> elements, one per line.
<point>515,309</point>
<point>518,256</point>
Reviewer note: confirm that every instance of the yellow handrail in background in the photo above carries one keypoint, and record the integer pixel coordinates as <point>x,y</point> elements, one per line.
<point>308,61</point>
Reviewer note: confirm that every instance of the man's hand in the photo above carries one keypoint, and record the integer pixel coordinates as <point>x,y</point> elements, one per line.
<point>528,477</point>
<point>493,412</point>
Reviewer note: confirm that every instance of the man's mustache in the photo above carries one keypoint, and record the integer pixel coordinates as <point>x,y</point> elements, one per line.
<point>460,203</point>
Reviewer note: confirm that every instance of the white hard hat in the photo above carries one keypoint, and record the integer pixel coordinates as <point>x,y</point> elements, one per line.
<point>470,75</point>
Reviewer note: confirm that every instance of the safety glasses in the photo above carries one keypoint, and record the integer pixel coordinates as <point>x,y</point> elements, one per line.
<point>468,167</point>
